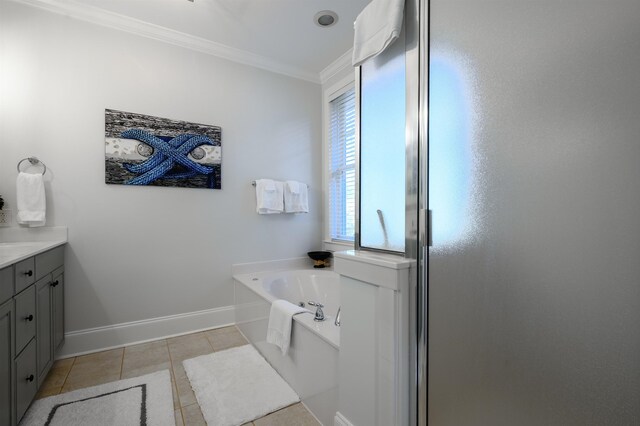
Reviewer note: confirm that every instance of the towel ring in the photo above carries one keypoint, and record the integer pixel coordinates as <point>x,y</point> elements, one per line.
<point>34,161</point>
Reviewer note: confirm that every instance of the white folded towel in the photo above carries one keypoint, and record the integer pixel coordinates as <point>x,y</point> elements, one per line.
<point>280,318</point>
<point>269,196</point>
<point>31,202</point>
<point>296,197</point>
<point>293,186</point>
<point>376,27</point>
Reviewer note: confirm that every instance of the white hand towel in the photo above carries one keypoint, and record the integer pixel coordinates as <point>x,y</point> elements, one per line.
<point>296,201</point>
<point>376,27</point>
<point>269,196</point>
<point>280,318</point>
<point>293,186</point>
<point>31,202</point>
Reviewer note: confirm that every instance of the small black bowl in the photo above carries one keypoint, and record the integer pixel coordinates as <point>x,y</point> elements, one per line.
<point>319,257</point>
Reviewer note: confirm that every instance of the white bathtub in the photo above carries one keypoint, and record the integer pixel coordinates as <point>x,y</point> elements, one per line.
<point>311,366</point>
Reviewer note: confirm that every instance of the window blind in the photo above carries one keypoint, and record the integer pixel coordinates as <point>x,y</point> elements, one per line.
<point>342,173</point>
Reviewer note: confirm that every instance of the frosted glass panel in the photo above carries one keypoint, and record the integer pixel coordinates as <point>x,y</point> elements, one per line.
<point>534,168</point>
<point>382,150</point>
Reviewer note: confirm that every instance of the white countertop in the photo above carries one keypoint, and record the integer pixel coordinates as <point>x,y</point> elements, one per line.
<point>19,243</point>
<point>11,253</point>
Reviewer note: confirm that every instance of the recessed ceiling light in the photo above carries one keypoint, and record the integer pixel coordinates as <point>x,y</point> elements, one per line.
<point>325,18</point>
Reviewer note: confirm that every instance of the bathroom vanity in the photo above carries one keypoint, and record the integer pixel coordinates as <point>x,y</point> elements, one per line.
<point>31,321</point>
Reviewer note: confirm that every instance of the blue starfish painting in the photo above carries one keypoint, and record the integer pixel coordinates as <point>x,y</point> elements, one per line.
<point>146,150</point>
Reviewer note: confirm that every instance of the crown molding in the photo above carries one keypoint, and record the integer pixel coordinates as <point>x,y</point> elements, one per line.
<point>138,27</point>
<point>336,66</point>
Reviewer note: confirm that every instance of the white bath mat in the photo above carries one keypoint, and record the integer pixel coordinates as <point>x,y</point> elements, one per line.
<point>140,401</point>
<point>236,386</point>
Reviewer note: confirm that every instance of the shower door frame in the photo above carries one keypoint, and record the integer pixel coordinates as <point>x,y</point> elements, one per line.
<point>417,218</point>
<point>416,25</point>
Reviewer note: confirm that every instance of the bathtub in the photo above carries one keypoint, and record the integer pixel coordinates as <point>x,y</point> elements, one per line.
<point>311,365</point>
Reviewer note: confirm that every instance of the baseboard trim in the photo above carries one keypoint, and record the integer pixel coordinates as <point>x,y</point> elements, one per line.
<point>340,420</point>
<point>118,335</point>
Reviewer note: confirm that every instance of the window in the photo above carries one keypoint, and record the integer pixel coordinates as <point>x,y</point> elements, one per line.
<point>383,151</point>
<point>342,166</point>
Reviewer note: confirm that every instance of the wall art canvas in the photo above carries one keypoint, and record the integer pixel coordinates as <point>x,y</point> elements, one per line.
<point>145,150</point>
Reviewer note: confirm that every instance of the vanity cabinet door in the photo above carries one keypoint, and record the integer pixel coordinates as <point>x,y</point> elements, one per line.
<point>6,361</point>
<point>44,342</point>
<point>57,316</point>
<point>25,317</point>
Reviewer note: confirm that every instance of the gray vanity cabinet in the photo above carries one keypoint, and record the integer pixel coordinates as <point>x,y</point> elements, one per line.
<point>6,358</point>
<point>31,328</point>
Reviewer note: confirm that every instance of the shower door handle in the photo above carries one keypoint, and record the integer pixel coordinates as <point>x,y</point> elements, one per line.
<point>425,228</point>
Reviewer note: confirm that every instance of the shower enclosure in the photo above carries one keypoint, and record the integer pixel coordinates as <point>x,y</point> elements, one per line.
<point>529,294</point>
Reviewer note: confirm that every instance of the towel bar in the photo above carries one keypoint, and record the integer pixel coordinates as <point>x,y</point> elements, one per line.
<point>253,183</point>
<point>34,161</point>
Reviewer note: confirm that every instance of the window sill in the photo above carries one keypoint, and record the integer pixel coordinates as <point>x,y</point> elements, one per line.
<point>337,245</point>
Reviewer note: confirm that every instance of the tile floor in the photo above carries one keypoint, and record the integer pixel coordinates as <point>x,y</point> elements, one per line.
<point>102,367</point>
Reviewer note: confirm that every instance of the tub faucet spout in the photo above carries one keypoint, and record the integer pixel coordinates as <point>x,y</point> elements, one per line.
<point>319,313</point>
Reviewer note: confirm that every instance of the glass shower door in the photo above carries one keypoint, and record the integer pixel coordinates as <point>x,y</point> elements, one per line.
<point>533,294</point>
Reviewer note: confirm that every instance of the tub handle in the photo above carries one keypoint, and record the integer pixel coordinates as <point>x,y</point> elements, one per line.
<point>319,313</point>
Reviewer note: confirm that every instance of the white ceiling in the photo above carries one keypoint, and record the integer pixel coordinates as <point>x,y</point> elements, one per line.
<point>281,30</point>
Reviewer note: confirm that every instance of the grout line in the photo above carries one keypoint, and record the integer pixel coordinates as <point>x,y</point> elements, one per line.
<point>199,409</point>
<point>195,403</point>
<point>64,382</point>
<point>122,362</point>
<point>175,381</point>
<point>182,415</point>
<point>210,343</point>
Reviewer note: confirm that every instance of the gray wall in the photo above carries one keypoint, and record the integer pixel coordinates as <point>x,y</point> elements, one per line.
<point>145,252</point>
<point>534,307</point>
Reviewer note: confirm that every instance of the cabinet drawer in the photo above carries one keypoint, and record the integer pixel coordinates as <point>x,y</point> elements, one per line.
<point>6,284</point>
<point>25,274</point>
<point>48,261</point>
<point>25,317</point>
<point>26,383</point>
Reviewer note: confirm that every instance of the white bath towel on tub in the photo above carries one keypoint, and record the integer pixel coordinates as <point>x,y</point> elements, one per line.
<point>280,319</point>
